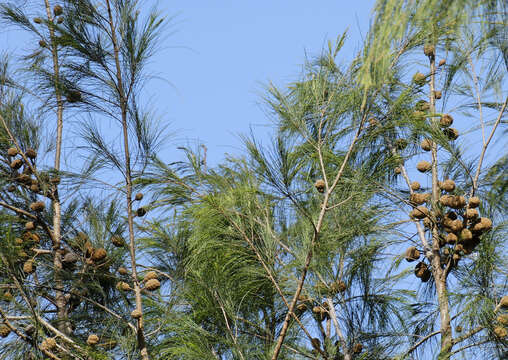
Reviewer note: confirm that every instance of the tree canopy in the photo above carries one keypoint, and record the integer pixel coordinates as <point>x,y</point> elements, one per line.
<point>371,225</point>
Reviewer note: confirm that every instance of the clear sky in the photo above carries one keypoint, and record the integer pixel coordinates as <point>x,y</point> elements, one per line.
<point>223,53</point>
<point>217,56</point>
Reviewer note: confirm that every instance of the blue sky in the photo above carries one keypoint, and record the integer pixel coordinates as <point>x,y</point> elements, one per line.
<point>221,54</point>
<point>216,57</point>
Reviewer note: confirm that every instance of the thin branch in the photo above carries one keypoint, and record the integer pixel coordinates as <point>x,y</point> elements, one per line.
<point>468,335</point>
<point>338,330</point>
<point>469,346</point>
<point>425,338</point>
<point>484,149</point>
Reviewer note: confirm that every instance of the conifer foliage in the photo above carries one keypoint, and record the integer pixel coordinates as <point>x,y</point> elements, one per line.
<point>371,225</point>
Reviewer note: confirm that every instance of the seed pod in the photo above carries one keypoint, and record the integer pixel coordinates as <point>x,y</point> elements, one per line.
<point>426,144</point>
<point>136,314</point>
<point>485,224</point>
<point>457,226</point>
<point>427,223</point>
<point>422,105</point>
<point>412,254</point>
<point>474,202</point>
<point>459,202</point>
<point>320,185</point>
<point>415,185</point>
<point>466,235</point>
<point>70,258</point>
<point>12,151</point>
<point>4,331</point>
<point>503,319</point>
<point>43,43</point>
<point>401,144</point>
<point>448,185</point>
<point>138,197</point>
<point>50,343</point>
<point>451,133</point>
<point>60,20</point>
<point>38,20</point>
<point>18,241</point>
<point>152,284</point>
<point>37,206</point>
<point>30,225</point>
<point>500,332</point>
<point>16,164</point>
<point>24,179</point>
<point>28,267</point>
<point>455,202</point>
<point>89,249</point>
<point>73,96</point>
<point>446,120</point>
<point>423,166</point>
<point>11,188</point>
<point>419,212</point>
<point>99,254</point>
<point>451,238</point>
<point>35,188</point>
<point>429,50</point>
<point>122,271</point>
<point>150,275</point>
<point>31,153</point>
<point>504,302</point>
<point>92,340</point>
<point>357,348</point>
<point>373,122</point>
<point>341,285</point>
<point>141,212</point>
<point>420,270</point>
<point>419,79</point>
<point>438,94</point>
<point>419,199</point>
<point>397,170</point>
<point>471,214</point>
<point>117,240</point>
<point>442,62</point>
<point>122,286</point>
<point>57,10</point>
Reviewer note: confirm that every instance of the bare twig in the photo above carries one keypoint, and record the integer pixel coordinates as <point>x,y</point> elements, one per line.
<point>425,338</point>
<point>484,148</point>
<point>338,330</point>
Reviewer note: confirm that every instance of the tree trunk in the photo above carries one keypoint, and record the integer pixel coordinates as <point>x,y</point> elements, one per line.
<point>128,196</point>
<point>439,274</point>
<point>61,302</point>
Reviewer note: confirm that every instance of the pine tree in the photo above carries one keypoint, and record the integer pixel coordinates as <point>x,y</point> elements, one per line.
<point>78,48</point>
<point>459,244</point>
<point>276,254</point>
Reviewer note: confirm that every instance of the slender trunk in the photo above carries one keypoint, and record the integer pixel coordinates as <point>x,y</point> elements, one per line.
<point>61,303</point>
<point>128,182</point>
<point>439,274</point>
